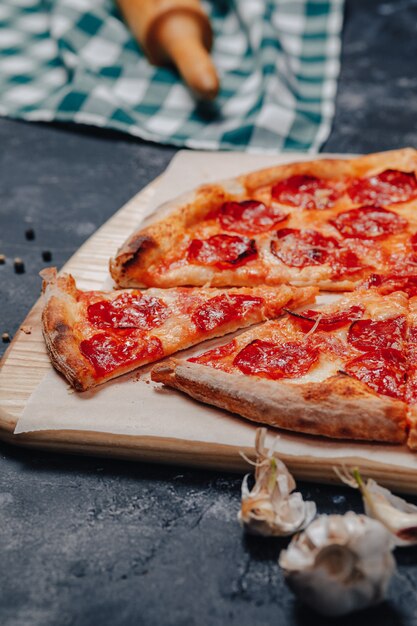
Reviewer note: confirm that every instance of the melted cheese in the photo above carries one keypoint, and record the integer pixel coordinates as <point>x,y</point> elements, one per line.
<point>325,368</point>
<point>382,308</point>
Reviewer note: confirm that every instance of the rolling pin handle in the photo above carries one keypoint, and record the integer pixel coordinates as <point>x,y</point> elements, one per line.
<point>182,38</point>
<point>175,31</point>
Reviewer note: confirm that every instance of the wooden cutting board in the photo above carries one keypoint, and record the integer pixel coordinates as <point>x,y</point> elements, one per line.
<point>26,363</point>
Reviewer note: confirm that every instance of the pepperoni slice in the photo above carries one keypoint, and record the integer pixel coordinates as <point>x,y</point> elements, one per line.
<point>368,222</point>
<point>411,393</point>
<point>412,349</point>
<point>332,321</point>
<point>128,311</point>
<point>222,251</point>
<point>367,335</point>
<point>299,248</point>
<point>106,353</point>
<point>224,309</point>
<point>305,192</point>
<point>391,282</point>
<point>211,357</point>
<point>249,217</point>
<point>268,360</point>
<point>382,370</point>
<point>388,187</point>
<point>346,262</point>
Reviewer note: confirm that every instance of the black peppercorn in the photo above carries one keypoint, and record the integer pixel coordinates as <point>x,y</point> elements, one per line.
<point>19,266</point>
<point>47,256</point>
<point>30,234</point>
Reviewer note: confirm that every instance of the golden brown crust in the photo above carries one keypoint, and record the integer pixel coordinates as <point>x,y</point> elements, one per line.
<point>140,261</point>
<point>58,317</point>
<point>62,346</point>
<point>339,407</point>
<point>322,168</point>
<point>404,159</point>
<point>133,250</point>
<point>412,424</point>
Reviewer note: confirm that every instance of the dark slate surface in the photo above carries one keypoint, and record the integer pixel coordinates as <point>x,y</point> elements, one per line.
<point>87,541</point>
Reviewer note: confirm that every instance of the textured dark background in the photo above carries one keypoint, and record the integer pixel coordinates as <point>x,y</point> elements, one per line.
<point>87,541</point>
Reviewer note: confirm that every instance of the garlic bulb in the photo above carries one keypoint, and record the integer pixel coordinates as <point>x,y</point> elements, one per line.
<point>270,509</point>
<point>397,515</point>
<point>340,563</point>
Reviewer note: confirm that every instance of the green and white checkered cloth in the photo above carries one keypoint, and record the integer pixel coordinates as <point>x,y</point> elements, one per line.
<point>75,60</point>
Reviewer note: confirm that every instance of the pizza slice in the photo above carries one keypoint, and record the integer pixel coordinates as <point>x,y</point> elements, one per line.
<point>328,223</point>
<point>93,336</point>
<point>337,371</point>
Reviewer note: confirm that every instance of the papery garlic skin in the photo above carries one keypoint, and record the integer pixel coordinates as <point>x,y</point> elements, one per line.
<point>340,563</point>
<point>271,509</point>
<point>396,514</point>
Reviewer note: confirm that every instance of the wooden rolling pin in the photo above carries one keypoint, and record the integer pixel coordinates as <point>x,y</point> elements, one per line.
<point>175,31</point>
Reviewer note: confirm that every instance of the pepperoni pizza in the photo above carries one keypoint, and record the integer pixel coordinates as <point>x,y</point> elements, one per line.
<point>346,370</point>
<point>327,223</point>
<point>274,238</point>
<point>94,336</point>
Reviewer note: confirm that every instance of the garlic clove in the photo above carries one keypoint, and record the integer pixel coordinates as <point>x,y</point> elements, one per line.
<point>337,560</point>
<point>340,564</point>
<point>397,515</point>
<point>271,507</point>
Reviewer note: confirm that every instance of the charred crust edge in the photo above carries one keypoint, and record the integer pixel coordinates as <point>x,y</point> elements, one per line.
<point>134,248</point>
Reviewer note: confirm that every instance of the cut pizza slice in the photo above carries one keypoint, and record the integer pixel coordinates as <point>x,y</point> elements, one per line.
<point>328,223</point>
<point>93,336</point>
<point>337,371</point>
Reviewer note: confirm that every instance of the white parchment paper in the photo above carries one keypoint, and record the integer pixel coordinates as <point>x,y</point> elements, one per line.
<point>133,405</point>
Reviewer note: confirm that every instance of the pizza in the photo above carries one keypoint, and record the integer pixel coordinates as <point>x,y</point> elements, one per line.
<point>250,252</point>
<point>344,370</point>
<point>93,336</point>
<point>327,223</point>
